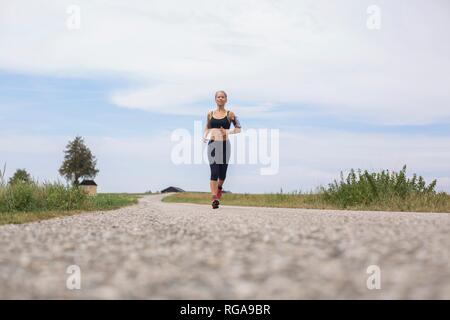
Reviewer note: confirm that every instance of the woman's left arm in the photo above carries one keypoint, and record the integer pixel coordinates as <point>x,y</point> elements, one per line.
<point>237,125</point>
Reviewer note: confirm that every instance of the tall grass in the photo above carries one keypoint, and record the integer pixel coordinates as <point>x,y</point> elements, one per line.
<point>34,197</point>
<point>362,188</point>
<point>2,176</point>
<point>54,196</point>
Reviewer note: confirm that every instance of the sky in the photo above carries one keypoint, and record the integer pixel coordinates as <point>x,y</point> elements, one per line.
<point>348,84</point>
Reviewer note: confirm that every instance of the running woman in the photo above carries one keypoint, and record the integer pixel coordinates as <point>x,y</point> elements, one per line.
<point>218,125</point>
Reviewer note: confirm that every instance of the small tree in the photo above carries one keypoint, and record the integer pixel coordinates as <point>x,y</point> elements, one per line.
<point>2,176</point>
<point>78,162</point>
<point>21,175</point>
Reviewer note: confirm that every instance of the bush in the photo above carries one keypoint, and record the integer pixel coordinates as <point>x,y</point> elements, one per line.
<point>20,176</point>
<point>21,197</point>
<point>58,196</point>
<point>364,188</point>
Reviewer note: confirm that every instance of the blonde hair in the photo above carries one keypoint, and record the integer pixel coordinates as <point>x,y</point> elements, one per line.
<point>220,91</point>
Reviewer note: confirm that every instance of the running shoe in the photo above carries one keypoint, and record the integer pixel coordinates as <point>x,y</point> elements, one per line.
<point>215,202</point>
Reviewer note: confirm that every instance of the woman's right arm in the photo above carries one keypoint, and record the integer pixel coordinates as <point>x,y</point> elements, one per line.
<point>205,134</point>
<point>208,129</point>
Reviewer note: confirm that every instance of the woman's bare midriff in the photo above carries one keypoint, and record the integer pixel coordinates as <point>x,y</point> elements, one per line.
<point>217,135</point>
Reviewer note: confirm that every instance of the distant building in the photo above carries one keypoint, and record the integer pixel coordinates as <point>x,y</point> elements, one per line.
<point>172,189</point>
<point>89,186</point>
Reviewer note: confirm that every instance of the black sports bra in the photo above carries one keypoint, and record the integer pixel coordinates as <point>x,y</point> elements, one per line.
<point>217,123</point>
<point>225,122</point>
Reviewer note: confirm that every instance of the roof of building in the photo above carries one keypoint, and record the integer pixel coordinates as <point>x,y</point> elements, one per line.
<point>88,183</point>
<point>172,189</point>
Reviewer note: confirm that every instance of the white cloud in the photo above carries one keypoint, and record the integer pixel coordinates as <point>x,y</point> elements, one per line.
<point>264,53</point>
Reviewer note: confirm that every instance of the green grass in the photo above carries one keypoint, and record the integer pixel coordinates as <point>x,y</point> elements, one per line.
<point>441,203</point>
<point>254,200</point>
<point>100,202</point>
<point>360,190</point>
<point>27,202</point>
<point>111,201</point>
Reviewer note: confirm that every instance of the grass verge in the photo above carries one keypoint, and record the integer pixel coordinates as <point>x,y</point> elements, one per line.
<point>423,203</point>
<point>360,190</point>
<point>100,202</point>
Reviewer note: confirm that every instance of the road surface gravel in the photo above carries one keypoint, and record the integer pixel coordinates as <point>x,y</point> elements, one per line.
<point>157,250</point>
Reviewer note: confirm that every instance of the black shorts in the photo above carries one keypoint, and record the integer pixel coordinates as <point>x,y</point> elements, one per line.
<point>219,156</point>
<point>219,151</point>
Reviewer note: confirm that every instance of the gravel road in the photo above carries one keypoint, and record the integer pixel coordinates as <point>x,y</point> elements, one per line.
<point>157,250</point>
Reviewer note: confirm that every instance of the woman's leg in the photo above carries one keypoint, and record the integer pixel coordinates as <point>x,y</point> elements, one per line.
<point>222,173</point>
<point>215,171</point>
<point>214,188</point>
<point>213,166</point>
<point>226,158</point>
<point>213,185</point>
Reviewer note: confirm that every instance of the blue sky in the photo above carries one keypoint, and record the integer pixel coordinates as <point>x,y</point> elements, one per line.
<point>341,95</point>
<point>49,105</point>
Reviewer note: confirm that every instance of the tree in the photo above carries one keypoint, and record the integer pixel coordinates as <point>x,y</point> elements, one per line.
<point>78,162</point>
<point>2,176</point>
<point>21,175</point>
